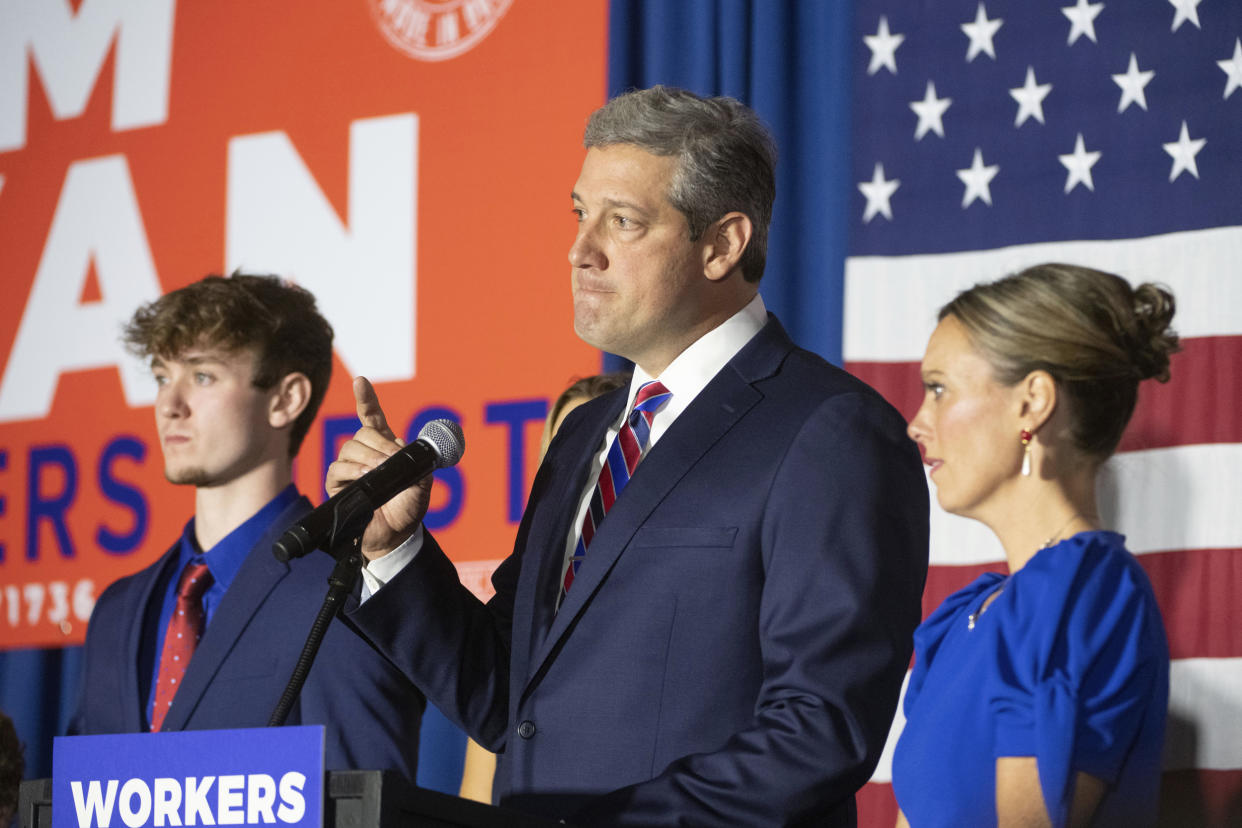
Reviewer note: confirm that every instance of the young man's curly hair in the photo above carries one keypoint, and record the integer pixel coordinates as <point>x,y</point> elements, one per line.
<point>277,319</point>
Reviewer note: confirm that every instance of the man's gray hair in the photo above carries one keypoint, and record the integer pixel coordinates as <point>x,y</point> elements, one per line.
<point>726,157</point>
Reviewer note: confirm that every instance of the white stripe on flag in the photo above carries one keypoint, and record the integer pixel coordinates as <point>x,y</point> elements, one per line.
<point>891,302</point>
<point>1167,499</point>
<point>1205,714</point>
<point>1204,728</point>
<point>884,770</point>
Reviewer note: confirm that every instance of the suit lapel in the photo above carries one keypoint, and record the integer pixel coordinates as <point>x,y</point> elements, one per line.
<point>555,507</point>
<point>255,580</point>
<point>725,399</point>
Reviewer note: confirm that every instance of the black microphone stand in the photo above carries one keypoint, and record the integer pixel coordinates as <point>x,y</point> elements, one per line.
<point>346,547</point>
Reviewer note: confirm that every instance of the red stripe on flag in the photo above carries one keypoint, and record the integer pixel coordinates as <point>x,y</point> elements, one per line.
<point>1199,797</point>
<point>876,805</point>
<point>1197,591</point>
<point>1195,588</point>
<point>899,382</point>
<point>1199,403</point>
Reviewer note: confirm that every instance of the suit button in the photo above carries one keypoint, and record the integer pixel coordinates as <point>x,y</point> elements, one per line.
<point>526,729</point>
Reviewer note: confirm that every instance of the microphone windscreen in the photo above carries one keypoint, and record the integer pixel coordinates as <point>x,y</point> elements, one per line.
<point>445,436</point>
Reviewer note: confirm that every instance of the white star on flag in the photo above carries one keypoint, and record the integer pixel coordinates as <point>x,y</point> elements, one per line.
<point>1185,10</point>
<point>1132,83</point>
<point>1082,19</point>
<point>1079,164</point>
<point>981,32</point>
<point>1030,97</point>
<point>930,111</point>
<point>1184,151</point>
<point>1232,68</point>
<point>883,46</point>
<point>978,179</point>
<point>878,192</point>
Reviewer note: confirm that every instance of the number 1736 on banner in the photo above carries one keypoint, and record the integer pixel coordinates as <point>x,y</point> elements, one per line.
<point>57,602</point>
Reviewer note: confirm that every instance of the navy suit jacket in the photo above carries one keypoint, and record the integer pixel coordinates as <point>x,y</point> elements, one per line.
<point>245,658</point>
<point>734,644</point>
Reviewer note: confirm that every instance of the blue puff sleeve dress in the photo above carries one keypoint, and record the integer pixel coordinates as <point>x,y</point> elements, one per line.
<point>1069,664</point>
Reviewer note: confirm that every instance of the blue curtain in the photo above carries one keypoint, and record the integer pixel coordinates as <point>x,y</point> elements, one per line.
<point>38,691</point>
<point>789,61</point>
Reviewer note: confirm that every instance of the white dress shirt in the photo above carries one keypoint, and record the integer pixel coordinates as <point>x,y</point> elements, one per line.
<point>684,377</point>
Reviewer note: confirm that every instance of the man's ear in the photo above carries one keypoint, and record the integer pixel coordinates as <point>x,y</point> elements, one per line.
<point>289,399</point>
<point>726,239</point>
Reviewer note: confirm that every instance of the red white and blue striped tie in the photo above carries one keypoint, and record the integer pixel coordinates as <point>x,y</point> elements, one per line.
<point>623,456</point>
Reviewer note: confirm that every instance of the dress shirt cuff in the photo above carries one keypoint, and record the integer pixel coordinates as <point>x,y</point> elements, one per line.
<point>380,571</point>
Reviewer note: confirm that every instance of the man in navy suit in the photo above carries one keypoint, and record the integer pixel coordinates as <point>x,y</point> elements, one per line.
<point>241,365</point>
<point>730,646</point>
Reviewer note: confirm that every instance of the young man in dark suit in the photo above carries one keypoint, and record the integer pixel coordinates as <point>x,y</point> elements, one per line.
<point>722,639</point>
<point>241,365</point>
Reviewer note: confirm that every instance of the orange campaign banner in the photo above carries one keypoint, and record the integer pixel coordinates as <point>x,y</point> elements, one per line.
<point>407,161</point>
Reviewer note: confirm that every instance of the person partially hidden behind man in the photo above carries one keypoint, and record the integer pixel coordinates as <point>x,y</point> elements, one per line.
<point>208,635</point>
<point>721,640</point>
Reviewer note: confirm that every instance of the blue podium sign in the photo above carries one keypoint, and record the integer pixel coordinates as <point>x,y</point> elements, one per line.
<point>264,776</point>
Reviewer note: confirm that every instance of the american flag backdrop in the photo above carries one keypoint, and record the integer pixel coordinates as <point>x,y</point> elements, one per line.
<point>992,135</point>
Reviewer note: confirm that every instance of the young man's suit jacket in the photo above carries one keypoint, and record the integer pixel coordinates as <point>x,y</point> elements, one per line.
<point>245,658</point>
<point>733,646</point>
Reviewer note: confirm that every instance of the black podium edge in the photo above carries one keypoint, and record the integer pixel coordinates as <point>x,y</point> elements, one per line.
<point>34,803</point>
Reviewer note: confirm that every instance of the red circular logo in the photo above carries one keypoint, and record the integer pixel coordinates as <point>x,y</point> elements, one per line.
<point>437,29</point>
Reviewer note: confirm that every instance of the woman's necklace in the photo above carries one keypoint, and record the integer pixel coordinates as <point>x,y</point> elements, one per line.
<point>987,602</point>
<point>1057,535</point>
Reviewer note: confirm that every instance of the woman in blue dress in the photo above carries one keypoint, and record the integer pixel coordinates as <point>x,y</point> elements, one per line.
<point>1038,698</point>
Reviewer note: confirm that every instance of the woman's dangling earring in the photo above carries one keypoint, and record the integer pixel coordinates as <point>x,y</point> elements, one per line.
<point>1026,452</point>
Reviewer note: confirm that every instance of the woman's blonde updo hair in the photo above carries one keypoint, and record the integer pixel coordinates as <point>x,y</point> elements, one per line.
<point>1090,330</point>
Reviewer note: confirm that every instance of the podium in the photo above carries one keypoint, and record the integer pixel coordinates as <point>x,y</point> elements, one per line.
<point>354,799</point>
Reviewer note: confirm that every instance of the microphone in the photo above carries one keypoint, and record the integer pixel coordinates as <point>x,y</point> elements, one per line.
<point>440,443</point>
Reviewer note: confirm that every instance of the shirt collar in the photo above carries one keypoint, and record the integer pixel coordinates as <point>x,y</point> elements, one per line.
<point>694,367</point>
<point>226,557</point>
